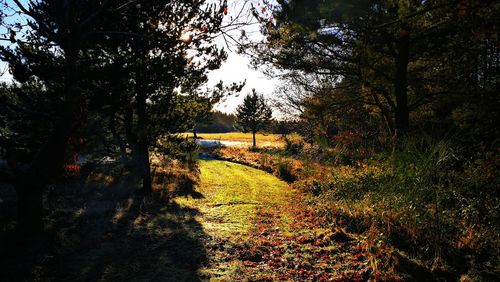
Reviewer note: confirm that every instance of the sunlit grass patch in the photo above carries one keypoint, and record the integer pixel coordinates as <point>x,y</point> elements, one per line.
<point>238,136</point>
<point>263,139</point>
<point>231,194</point>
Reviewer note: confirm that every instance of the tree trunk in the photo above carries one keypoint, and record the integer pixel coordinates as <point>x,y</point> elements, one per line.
<point>50,158</point>
<point>402,112</point>
<point>29,209</point>
<point>254,141</point>
<point>145,168</point>
<point>142,138</point>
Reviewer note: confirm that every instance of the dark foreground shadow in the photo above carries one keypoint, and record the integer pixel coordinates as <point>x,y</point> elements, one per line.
<point>95,237</point>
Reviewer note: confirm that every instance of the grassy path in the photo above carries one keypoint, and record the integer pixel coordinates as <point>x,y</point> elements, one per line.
<point>229,195</point>
<point>228,198</point>
<point>239,224</point>
<point>259,229</point>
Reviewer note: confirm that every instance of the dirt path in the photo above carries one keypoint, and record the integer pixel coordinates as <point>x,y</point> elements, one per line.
<point>257,228</point>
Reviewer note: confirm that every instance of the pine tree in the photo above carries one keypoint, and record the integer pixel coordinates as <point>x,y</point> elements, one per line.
<point>47,105</point>
<point>254,114</point>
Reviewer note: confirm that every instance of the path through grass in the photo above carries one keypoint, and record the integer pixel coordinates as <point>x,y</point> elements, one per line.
<point>239,224</point>
<point>259,229</point>
<point>229,197</point>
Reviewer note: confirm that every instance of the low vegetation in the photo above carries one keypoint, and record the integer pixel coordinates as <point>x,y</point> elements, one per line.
<point>436,209</point>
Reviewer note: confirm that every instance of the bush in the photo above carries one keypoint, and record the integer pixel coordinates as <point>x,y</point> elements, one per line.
<point>293,147</point>
<point>426,201</point>
<point>284,170</point>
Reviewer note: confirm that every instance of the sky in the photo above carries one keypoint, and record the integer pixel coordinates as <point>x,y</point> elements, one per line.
<point>235,69</point>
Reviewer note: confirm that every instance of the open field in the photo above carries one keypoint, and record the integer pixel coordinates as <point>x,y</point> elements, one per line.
<point>238,136</point>
<point>263,140</point>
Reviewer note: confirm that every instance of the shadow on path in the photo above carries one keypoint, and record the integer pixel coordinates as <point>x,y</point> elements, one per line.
<point>103,239</point>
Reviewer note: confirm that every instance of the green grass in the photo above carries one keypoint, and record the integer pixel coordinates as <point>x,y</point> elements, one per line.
<point>228,197</point>
<point>238,136</point>
<point>231,195</point>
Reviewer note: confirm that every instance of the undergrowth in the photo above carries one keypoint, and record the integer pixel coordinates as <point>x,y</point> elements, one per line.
<point>437,208</point>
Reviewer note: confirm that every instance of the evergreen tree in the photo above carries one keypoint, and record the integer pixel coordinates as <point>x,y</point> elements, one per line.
<point>254,114</point>
<point>43,110</point>
<point>395,51</point>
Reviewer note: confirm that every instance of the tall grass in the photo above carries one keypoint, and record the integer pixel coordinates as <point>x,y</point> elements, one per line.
<point>427,201</point>
<point>425,198</point>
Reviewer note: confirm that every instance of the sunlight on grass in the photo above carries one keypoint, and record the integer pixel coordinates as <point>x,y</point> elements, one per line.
<point>238,136</point>
<point>231,195</point>
<point>263,140</point>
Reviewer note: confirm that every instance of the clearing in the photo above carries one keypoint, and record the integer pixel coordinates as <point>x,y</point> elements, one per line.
<point>263,140</point>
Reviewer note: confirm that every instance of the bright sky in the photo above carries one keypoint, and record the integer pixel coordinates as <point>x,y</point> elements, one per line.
<point>235,69</point>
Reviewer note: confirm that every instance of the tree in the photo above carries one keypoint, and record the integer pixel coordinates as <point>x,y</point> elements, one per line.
<point>216,122</point>
<point>254,114</point>
<point>395,50</point>
<point>46,105</point>
<point>76,61</point>
<point>162,71</point>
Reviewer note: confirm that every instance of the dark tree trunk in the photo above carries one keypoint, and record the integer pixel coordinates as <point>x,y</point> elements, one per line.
<point>140,155</point>
<point>145,169</point>
<point>50,157</point>
<point>254,141</point>
<point>142,140</point>
<point>29,209</point>
<point>402,112</point>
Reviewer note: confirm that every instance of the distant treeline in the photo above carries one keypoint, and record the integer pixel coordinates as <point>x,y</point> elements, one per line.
<point>217,122</point>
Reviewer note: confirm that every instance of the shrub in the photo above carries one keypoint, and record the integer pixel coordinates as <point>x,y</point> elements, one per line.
<point>293,147</point>
<point>427,201</point>
<point>284,170</point>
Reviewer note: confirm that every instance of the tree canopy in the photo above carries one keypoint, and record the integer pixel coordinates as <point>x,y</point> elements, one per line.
<point>402,56</point>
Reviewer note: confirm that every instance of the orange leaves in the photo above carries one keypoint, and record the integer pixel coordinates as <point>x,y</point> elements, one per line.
<point>308,251</point>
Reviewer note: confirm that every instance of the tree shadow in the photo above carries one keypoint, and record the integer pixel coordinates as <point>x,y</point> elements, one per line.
<point>184,184</point>
<point>95,237</point>
<point>189,190</point>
